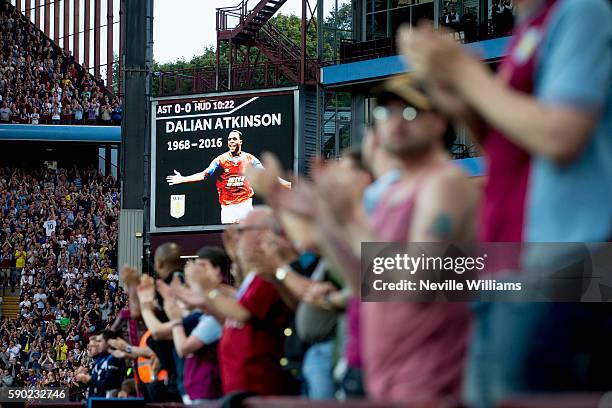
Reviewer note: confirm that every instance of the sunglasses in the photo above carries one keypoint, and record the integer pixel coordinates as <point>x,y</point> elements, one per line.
<point>382,113</point>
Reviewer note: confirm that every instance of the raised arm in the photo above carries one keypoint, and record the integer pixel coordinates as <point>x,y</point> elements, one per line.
<point>159,330</point>
<point>222,306</point>
<point>558,120</point>
<point>146,296</point>
<point>130,351</point>
<point>129,276</point>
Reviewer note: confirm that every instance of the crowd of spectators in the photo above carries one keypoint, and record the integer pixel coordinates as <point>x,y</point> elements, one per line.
<point>298,259</point>
<point>59,240</point>
<point>287,287</point>
<point>41,84</point>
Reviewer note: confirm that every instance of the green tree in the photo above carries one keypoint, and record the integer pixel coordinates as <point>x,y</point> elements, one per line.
<point>337,25</point>
<point>182,67</point>
<point>342,18</point>
<point>291,26</point>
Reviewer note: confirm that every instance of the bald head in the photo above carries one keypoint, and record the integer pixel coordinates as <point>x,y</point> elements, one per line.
<point>167,259</point>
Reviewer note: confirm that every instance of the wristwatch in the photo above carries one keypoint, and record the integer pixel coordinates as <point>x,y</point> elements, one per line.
<point>128,349</point>
<point>281,273</point>
<point>213,294</point>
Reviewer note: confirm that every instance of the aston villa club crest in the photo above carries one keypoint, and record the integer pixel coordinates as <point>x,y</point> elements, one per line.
<point>177,205</point>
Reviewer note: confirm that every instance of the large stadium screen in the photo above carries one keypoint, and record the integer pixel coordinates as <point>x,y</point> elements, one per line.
<point>200,147</point>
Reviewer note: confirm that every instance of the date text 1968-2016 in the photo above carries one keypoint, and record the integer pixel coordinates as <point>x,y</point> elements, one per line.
<point>200,144</point>
<point>22,394</point>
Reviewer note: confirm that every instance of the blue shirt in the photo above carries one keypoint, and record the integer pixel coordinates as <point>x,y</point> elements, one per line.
<point>573,203</point>
<point>376,191</point>
<point>107,374</point>
<point>208,329</point>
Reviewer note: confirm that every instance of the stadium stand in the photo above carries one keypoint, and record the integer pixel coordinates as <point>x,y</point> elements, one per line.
<point>297,325</point>
<point>41,84</point>
<point>59,242</point>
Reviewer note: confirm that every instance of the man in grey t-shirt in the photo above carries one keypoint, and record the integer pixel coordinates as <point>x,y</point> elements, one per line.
<point>5,113</point>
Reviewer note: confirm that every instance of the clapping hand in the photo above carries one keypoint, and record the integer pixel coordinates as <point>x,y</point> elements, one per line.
<point>276,251</point>
<point>118,344</point>
<point>118,353</point>
<point>317,295</point>
<point>433,56</point>
<point>129,275</point>
<point>266,181</point>
<point>146,291</point>
<point>339,190</point>
<point>166,290</point>
<point>201,276</point>
<point>172,309</point>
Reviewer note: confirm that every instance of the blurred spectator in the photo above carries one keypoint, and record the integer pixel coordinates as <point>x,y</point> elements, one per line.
<point>316,298</point>
<point>168,265</point>
<point>5,112</point>
<point>78,113</point>
<point>34,117</point>
<point>117,114</point>
<point>254,318</point>
<point>196,336</point>
<point>544,122</point>
<point>432,201</point>
<point>55,114</point>
<point>105,116</point>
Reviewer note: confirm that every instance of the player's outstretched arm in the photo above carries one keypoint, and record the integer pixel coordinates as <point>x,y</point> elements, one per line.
<point>178,178</point>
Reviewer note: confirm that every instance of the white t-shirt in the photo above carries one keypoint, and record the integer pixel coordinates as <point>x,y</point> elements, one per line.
<point>14,351</point>
<point>69,276</point>
<point>112,280</point>
<point>29,279</point>
<point>49,227</point>
<point>5,114</point>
